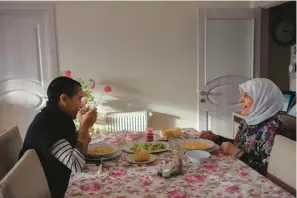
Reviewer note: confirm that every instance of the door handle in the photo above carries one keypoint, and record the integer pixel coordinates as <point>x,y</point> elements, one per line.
<point>206,93</point>
<point>203,93</point>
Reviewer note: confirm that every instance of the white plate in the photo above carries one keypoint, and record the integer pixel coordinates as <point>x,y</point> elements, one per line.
<point>214,148</point>
<point>106,158</point>
<point>131,159</point>
<point>128,146</point>
<point>93,146</point>
<point>208,142</point>
<point>197,156</point>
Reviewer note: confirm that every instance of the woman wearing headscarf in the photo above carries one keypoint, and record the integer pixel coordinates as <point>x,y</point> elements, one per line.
<point>261,101</point>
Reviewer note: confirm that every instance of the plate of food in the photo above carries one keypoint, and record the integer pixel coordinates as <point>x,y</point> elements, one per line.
<point>198,144</point>
<point>141,156</point>
<point>151,147</point>
<point>102,150</point>
<point>95,159</point>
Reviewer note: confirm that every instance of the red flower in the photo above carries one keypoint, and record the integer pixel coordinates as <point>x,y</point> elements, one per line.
<point>67,73</point>
<point>107,88</point>
<point>96,131</point>
<point>200,178</point>
<point>243,173</point>
<point>92,85</point>
<point>232,189</point>
<point>117,173</point>
<point>84,94</point>
<point>146,183</point>
<point>177,194</point>
<point>210,166</point>
<point>190,178</point>
<point>92,187</point>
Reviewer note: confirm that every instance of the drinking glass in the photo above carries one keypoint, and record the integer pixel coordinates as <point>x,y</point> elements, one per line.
<point>178,149</point>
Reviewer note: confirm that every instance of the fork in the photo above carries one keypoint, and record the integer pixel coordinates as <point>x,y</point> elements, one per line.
<point>99,172</point>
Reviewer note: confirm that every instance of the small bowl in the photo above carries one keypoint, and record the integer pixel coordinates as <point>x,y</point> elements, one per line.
<point>197,156</point>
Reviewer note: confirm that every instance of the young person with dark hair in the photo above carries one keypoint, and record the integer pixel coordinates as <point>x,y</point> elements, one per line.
<point>53,135</point>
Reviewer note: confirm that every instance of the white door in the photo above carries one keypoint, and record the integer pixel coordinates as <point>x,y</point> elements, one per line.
<point>27,53</point>
<point>228,45</point>
<point>27,58</point>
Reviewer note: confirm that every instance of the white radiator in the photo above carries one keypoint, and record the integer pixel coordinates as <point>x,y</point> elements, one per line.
<point>132,121</point>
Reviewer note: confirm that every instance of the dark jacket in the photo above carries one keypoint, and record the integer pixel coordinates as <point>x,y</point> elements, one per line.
<point>49,126</point>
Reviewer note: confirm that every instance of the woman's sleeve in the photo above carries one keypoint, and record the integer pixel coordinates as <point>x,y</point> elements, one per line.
<point>258,160</point>
<point>222,139</point>
<point>69,156</point>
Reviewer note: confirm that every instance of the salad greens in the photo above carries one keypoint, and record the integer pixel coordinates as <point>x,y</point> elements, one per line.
<point>149,146</point>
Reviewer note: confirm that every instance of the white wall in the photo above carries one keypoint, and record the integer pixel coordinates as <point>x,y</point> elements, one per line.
<point>145,50</point>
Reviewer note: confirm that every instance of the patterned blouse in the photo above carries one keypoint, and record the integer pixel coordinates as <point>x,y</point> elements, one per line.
<point>256,141</point>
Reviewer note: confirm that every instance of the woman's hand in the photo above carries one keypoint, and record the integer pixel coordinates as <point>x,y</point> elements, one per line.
<point>87,119</point>
<point>229,148</point>
<point>209,135</point>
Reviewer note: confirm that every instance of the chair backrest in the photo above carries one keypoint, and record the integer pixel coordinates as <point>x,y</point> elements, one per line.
<point>27,179</point>
<point>15,114</point>
<point>290,124</point>
<point>10,146</point>
<point>5,192</point>
<point>282,163</point>
<point>132,121</point>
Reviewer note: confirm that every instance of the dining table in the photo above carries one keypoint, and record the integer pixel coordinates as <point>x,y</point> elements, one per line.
<point>218,176</point>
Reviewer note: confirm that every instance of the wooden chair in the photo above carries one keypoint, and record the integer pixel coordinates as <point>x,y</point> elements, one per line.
<point>26,179</point>
<point>10,146</point>
<point>282,163</point>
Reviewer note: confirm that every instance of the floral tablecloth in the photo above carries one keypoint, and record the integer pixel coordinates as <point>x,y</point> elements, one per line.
<point>219,176</point>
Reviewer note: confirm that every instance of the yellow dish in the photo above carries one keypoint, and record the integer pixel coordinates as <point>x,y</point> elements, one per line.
<point>141,155</point>
<point>101,150</point>
<point>196,145</point>
<point>167,133</point>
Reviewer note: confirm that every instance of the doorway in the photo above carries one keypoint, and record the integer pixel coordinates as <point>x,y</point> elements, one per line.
<point>278,43</point>
<point>28,60</point>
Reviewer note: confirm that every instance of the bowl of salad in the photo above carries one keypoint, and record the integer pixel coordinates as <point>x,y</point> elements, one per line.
<point>152,147</point>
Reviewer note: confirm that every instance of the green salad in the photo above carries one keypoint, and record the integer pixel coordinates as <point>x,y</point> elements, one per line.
<point>149,146</point>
